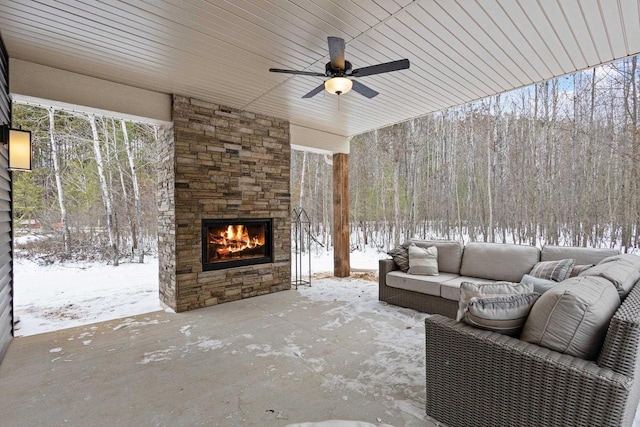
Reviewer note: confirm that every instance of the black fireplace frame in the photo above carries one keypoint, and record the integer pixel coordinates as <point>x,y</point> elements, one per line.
<point>268,237</point>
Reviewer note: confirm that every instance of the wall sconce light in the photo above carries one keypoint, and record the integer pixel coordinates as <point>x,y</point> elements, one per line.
<point>18,142</point>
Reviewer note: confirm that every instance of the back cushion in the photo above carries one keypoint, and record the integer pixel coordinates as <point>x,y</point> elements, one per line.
<point>573,316</point>
<point>623,271</point>
<point>449,254</point>
<point>498,261</point>
<point>581,255</point>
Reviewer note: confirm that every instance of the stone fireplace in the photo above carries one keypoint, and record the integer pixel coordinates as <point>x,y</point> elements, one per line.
<point>232,167</point>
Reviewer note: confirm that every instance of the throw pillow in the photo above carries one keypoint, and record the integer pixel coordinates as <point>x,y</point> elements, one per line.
<point>449,254</point>
<point>423,261</point>
<point>577,269</point>
<point>553,270</point>
<point>539,285</point>
<point>469,290</point>
<point>400,256</point>
<point>573,316</point>
<point>505,314</point>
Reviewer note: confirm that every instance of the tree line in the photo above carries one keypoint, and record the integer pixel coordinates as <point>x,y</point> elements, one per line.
<point>92,190</point>
<point>557,162</point>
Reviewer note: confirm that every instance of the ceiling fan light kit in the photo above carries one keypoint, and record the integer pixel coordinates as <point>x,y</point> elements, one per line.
<point>338,85</point>
<point>339,72</point>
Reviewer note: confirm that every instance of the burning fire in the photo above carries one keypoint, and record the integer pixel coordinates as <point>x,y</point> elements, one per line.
<point>234,239</point>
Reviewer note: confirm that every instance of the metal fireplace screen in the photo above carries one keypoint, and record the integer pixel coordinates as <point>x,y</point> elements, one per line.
<point>230,243</point>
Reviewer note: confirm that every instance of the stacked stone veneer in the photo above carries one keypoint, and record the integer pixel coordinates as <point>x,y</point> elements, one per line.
<point>221,163</point>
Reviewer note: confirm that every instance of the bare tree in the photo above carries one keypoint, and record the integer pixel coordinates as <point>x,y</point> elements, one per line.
<point>136,192</point>
<point>554,163</point>
<point>58,177</point>
<point>106,197</point>
<point>123,186</point>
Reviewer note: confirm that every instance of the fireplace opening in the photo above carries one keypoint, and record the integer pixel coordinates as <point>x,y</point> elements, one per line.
<point>230,243</point>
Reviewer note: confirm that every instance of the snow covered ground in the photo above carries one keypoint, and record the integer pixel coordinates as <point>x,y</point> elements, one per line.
<point>60,296</point>
<point>53,297</point>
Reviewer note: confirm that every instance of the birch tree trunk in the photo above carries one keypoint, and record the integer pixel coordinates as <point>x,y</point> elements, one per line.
<point>109,168</point>
<point>635,156</point>
<point>302,173</point>
<point>491,139</point>
<point>393,142</point>
<point>535,193</point>
<point>125,195</point>
<point>139,245</point>
<point>302,170</point>
<point>106,197</point>
<point>57,174</point>
<point>591,142</point>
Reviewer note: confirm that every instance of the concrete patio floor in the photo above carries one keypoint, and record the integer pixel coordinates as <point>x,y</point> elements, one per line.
<point>283,358</point>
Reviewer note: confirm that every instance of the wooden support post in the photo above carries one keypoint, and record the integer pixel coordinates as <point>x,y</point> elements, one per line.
<point>341,245</point>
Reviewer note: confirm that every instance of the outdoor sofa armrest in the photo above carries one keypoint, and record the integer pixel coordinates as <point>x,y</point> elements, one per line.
<point>385,266</point>
<point>622,343</point>
<point>480,378</point>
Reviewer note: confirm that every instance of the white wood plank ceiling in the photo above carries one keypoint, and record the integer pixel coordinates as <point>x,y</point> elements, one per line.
<point>220,51</point>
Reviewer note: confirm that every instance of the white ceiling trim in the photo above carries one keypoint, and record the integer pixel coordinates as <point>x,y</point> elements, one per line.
<point>32,84</point>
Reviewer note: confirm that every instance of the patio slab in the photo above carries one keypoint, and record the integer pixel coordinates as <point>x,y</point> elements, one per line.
<point>327,352</point>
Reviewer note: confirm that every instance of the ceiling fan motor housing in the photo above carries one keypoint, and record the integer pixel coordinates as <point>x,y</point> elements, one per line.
<point>332,72</point>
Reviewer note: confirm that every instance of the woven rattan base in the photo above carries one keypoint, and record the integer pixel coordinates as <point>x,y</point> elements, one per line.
<point>425,303</point>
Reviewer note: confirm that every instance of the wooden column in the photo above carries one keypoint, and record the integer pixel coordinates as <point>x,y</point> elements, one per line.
<point>341,246</point>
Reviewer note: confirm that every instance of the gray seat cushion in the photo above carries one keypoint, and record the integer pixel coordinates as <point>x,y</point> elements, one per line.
<point>449,254</point>
<point>497,261</point>
<point>581,255</point>
<point>451,288</point>
<point>573,316</point>
<point>429,285</point>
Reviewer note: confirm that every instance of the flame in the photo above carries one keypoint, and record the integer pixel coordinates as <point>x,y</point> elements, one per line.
<point>234,239</point>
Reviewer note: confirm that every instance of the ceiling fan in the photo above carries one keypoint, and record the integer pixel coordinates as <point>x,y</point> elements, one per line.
<point>339,72</point>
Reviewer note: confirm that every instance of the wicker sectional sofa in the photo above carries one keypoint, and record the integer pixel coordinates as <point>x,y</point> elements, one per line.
<point>478,378</point>
<point>476,262</point>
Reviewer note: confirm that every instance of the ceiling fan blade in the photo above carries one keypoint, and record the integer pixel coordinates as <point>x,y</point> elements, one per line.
<point>302,73</point>
<point>336,52</point>
<point>315,91</point>
<point>401,64</point>
<point>363,90</point>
